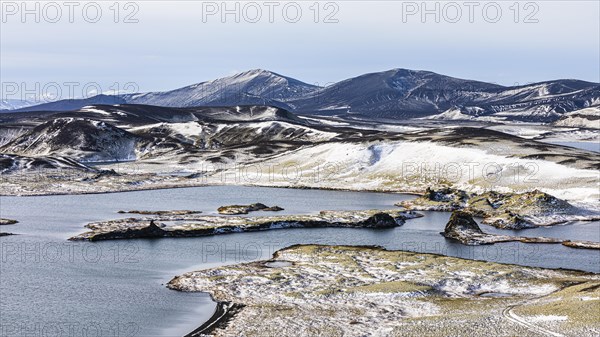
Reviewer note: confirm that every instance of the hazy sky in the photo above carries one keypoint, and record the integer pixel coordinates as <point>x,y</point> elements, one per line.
<point>177,43</point>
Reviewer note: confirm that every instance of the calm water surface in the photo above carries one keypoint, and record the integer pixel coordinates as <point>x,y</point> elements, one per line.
<point>590,146</point>
<point>116,288</point>
<point>52,287</point>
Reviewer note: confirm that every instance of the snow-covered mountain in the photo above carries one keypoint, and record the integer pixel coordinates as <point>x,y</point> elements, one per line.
<point>13,104</point>
<point>393,94</point>
<point>254,87</point>
<point>403,94</point>
<point>397,93</point>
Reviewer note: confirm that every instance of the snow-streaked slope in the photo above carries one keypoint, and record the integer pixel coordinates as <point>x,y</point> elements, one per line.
<point>457,114</point>
<point>127,132</point>
<point>223,141</point>
<point>14,163</point>
<point>254,87</point>
<point>80,138</point>
<point>584,118</point>
<point>400,93</point>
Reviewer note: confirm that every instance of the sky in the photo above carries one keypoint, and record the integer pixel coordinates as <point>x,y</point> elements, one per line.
<point>162,45</point>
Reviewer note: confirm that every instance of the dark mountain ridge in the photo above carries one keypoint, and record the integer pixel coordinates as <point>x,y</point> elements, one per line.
<point>395,94</point>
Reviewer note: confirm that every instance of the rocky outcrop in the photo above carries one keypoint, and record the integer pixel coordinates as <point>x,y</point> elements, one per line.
<point>193,225</point>
<point>449,199</point>
<point>245,209</point>
<point>5,234</point>
<point>378,220</point>
<point>463,228</point>
<point>7,221</point>
<point>502,210</point>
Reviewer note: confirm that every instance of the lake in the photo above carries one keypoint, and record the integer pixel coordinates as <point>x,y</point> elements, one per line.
<point>50,286</point>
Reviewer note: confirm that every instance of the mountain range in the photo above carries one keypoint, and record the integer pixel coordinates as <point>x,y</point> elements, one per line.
<point>394,94</point>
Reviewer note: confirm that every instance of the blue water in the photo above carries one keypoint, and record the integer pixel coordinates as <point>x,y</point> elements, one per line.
<point>589,146</point>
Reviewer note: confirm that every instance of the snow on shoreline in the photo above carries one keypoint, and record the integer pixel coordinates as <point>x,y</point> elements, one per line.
<point>413,166</point>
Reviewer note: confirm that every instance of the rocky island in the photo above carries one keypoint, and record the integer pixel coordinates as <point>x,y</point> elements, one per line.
<point>7,221</point>
<point>309,290</point>
<point>191,225</point>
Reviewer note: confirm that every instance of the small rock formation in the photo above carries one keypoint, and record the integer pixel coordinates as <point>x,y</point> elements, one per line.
<point>463,228</point>
<point>245,209</point>
<point>379,220</point>
<point>7,221</point>
<point>272,209</point>
<point>5,234</point>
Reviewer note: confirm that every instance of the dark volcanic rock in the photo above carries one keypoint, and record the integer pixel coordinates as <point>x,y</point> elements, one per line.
<point>461,221</point>
<point>446,195</point>
<point>245,209</point>
<point>379,220</point>
<point>150,231</point>
<point>463,228</point>
<point>273,209</point>
<point>5,234</point>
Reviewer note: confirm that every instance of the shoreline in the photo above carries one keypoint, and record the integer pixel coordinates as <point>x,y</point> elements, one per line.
<point>224,312</point>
